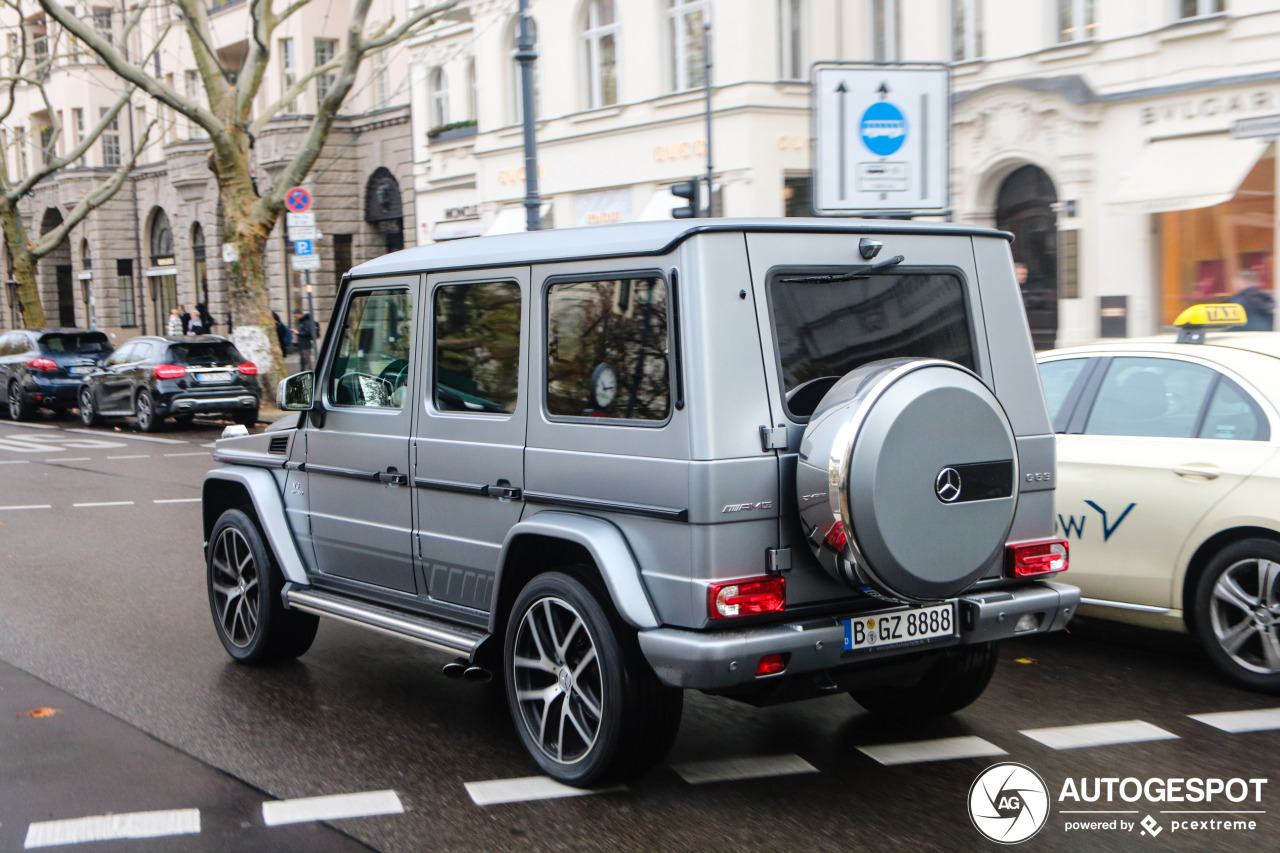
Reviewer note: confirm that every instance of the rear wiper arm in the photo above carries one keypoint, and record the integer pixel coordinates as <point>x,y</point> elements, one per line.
<point>860,272</point>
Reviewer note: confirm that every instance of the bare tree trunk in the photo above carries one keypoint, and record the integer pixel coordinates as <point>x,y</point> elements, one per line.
<point>24,265</point>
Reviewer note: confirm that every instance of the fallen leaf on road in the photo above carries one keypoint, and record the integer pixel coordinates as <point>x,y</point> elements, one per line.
<point>42,712</point>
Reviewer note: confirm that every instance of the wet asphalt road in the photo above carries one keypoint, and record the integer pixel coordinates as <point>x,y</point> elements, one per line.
<point>105,605</point>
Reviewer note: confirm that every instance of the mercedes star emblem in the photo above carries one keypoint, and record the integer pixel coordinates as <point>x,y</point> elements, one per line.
<point>947,486</point>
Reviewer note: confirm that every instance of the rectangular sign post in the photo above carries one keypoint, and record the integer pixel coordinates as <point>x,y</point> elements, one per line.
<point>882,139</point>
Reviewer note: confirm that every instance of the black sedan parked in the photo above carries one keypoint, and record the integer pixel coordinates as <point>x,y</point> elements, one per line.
<point>156,377</point>
<point>42,368</point>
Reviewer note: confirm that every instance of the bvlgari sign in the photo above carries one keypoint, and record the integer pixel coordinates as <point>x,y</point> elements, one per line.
<point>1208,106</point>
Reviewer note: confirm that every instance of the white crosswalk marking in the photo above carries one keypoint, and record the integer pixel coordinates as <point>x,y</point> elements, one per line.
<point>1236,722</point>
<point>732,769</point>
<point>527,788</point>
<point>942,749</point>
<point>334,807</point>
<point>112,827</point>
<point>105,503</point>
<point>1098,734</point>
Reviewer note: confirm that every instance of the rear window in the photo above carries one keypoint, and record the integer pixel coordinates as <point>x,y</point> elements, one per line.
<point>826,327</point>
<point>89,343</point>
<point>204,354</point>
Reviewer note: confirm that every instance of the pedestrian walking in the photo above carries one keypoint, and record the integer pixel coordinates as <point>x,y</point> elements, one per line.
<point>174,326</point>
<point>186,319</point>
<point>283,333</point>
<point>206,319</point>
<point>307,331</point>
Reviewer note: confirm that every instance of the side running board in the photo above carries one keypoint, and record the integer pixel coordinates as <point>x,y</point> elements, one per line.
<point>414,627</point>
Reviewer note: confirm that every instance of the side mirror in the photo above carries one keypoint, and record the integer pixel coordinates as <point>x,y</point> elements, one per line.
<point>297,392</point>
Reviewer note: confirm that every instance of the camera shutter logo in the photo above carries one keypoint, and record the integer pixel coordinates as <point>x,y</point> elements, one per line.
<point>1008,803</point>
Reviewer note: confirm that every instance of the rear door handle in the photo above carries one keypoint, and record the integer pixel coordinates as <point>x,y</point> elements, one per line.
<point>1198,469</point>
<point>392,477</point>
<point>503,490</point>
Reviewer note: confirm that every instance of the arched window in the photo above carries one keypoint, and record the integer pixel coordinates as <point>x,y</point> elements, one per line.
<point>600,52</point>
<point>161,239</point>
<point>439,98</point>
<point>686,41</point>
<point>517,111</point>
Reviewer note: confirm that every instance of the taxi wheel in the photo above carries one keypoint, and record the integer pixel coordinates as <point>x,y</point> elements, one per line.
<point>1237,609</point>
<point>954,682</point>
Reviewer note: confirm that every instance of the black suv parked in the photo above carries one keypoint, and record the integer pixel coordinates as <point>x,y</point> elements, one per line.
<point>153,378</point>
<point>42,368</point>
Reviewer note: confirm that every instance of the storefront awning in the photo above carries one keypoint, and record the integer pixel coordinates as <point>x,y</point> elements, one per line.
<point>659,205</point>
<point>456,229</point>
<point>1187,173</point>
<point>511,220</point>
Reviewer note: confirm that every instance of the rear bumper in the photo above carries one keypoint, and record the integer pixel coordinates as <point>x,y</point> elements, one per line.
<point>181,404</point>
<point>46,392</point>
<point>707,660</point>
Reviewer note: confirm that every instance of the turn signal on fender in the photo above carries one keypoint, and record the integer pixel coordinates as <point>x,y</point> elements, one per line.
<point>748,597</point>
<point>1030,559</point>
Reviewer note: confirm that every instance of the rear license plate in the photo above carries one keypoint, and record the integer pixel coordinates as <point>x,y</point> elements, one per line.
<point>899,627</point>
<point>209,378</point>
<point>80,370</point>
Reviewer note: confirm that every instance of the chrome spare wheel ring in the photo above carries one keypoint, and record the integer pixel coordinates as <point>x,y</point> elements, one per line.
<point>1245,612</point>
<point>558,681</point>
<point>235,587</point>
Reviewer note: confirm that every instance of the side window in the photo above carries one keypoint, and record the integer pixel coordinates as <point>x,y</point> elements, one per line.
<point>477,347</point>
<point>372,363</point>
<point>123,355</point>
<point>8,344</point>
<point>607,349</point>
<point>1233,414</point>
<point>1058,377</point>
<point>1150,397</point>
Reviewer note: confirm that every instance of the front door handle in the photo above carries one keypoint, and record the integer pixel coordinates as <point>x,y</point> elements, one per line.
<point>392,477</point>
<point>1198,469</point>
<point>502,490</point>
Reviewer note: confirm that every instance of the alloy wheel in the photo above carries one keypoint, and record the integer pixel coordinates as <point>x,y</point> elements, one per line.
<point>1245,614</point>
<point>558,681</point>
<point>86,406</point>
<point>144,412</point>
<point>15,401</point>
<point>235,587</point>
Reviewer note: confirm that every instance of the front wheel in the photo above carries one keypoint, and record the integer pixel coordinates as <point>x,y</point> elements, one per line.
<point>954,682</point>
<point>244,596</point>
<point>247,418</point>
<point>586,704</point>
<point>88,409</point>
<point>1237,613</point>
<point>144,408</point>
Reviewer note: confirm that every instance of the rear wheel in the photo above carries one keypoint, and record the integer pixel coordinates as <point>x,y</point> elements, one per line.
<point>1237,608</point>
<point>954,682</point>
<point>19,408</point>
<point>144,408</point>
<point>247,418</point>
<point>244,596</point>
<point>88,408</point>
<point>586,704</point>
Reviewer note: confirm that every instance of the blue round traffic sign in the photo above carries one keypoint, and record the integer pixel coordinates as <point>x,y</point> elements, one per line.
<point>297,199</point>
<point>883,128</point>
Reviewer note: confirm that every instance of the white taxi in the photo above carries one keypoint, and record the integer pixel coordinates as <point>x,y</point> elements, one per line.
<point>1169,484</point>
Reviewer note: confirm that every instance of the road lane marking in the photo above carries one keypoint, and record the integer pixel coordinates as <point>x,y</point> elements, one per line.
<point>129,436</point>
<point>112,827</point>
<point>1237,722</point>
<point>200,453</point>
<point>1098,734</point>
<point>105,503</point>
<point>177,500</point>
<point>32,426</point>
<point>733,769</point>
<point>28,506</point>
<point>336,807</point>
<point>527,788</point>
<point>137,456</point>
<point>941,749</point>
<point>69,459</point>
<point>15,462</point>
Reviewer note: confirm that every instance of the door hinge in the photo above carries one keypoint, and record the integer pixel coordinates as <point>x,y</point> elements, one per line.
<point>777,560</point>
<point>773,438</point>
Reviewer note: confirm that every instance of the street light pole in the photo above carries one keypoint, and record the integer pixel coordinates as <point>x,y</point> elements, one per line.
<point>706,54</point>
<point>525,55</point>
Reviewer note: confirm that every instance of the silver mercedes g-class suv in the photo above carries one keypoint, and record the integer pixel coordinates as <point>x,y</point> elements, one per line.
<point>766,459</point>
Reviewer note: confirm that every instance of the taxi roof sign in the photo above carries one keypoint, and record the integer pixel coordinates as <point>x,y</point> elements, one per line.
<point>1197,319</point>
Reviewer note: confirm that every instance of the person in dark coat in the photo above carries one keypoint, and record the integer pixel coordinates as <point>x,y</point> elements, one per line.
<point>1258,304</point>
<point>206,319</point>
<point>283,333</point>
<point>307,331</point>
<point>185,315</point>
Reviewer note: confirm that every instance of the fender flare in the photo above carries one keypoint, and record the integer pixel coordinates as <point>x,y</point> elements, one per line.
<point>264,491</point>
<point>608,548</point>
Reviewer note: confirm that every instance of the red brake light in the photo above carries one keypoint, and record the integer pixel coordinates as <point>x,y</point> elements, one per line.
<point>731,599</point>
<point>248,368</point>
<point>772,664</point>
<point>46,364</point>
<point>1030,559</point>
<point>169,371</point>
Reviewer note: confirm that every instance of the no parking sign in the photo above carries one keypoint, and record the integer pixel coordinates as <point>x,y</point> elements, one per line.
<point>297,199</point>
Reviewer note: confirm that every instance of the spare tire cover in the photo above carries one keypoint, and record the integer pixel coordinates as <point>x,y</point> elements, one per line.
<point>906,480</point>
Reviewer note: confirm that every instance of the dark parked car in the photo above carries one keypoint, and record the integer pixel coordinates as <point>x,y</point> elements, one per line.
<point>42,368</point>
<point>153,378</point>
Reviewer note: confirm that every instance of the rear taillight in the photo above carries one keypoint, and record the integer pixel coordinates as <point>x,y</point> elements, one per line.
<point>248,368</point>
<point>46,364</point>
<point>732,599</point>
<point>1030,559</point>
<point>169,371</point>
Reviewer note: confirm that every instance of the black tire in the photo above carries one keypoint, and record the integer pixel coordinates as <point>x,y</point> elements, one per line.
<point>184,420</point>
<point>19,408</point>
<point>246,419</point>
<point>1237,613</point>
<point>144,409</point>
<point>244,596</point>
<point>954,682</point>
<point>617,718</point>
<point>88,408</point>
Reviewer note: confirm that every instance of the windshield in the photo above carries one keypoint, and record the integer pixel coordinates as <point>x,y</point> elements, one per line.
<point>826,328</point>
<point>87,343</point>
<point>204,354</point>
